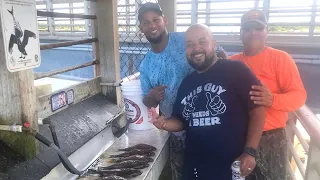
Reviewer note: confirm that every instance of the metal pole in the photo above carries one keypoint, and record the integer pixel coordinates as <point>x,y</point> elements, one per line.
<point>194,11</point>
<point>266,8</point>
<point>313,18</point>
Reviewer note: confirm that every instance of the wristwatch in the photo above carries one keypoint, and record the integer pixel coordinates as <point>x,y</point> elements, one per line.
<point>251,151</point>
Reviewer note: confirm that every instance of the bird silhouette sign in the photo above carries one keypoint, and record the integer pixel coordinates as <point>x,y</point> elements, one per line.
<point>20,34</point>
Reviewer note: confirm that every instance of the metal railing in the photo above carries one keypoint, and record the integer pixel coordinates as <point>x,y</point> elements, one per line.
<point>228,13</point>
<point>307,158</point>
<point>68,43</point>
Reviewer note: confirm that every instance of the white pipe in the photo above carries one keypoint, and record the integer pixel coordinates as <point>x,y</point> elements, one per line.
<point>12,128</point>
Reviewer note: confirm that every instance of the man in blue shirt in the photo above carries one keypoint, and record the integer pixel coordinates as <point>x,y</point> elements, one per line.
<point>162,71</point>
<point>213,105</point>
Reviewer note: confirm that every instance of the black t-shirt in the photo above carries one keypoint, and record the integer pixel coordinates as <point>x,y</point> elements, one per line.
<point>214,107</point>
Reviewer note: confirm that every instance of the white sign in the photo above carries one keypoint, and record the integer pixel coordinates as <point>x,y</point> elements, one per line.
<point>20,34</point>
<point>70,95</point>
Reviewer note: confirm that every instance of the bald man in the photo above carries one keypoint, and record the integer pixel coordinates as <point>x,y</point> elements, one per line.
<point>213,106</point>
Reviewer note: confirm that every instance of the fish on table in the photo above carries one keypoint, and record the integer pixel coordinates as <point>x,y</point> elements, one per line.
<point>139,146</point>
<point>104,178</point>
<point>108,177</point>
<point>133,157</point>
<point>143,152</point>
<point>136,164</point>
<point>123,172</point>
<point>113,177</point>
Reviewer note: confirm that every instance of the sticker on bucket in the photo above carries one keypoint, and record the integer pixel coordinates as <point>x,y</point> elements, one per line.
<point>133,112</point>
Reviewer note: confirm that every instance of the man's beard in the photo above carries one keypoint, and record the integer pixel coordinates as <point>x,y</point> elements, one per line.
<point>155,40</point>
<point>208,61</point>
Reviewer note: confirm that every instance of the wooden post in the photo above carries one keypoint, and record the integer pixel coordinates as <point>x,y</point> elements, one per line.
<point>18,105</point>
<point>169,10</point>
<point>108,38</point>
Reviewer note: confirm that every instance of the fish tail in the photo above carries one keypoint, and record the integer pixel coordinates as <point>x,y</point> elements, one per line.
<point>11,12</point>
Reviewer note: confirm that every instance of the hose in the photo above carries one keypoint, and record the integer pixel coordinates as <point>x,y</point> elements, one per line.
<point>56,142</point>
<point>64,159</point>
<point>119,130</point>
<point>54,134</point>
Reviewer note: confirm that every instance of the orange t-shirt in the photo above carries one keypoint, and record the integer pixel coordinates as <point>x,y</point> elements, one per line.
<point>278,71</point>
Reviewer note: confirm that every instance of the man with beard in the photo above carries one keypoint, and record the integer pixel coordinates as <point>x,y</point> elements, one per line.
<point>282,92</point>
<point>162,71</point>
<point>222,124</point>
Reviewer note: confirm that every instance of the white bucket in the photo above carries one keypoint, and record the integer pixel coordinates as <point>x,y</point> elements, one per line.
<point>136,111</point>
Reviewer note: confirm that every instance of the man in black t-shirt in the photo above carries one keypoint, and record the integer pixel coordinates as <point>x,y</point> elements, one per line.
<point>214,107</point>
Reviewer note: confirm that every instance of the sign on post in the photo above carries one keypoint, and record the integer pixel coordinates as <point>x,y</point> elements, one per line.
<point>20,34</point>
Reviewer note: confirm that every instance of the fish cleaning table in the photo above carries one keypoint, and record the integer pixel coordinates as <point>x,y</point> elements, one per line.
<point>154,137</point>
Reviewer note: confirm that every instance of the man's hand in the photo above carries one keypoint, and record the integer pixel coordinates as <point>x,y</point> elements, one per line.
<point>157,93</point>
<point>248,163</point>
<point>156,120</point>
<point>261,95</point>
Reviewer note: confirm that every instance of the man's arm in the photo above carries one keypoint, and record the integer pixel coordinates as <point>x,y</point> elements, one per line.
<point>222,55</point>
<point>293,94</point>
<point>154,96</point>
<point>244,79</point>
<point>255,128</point>
<point>149,102</point>
<point>171,124</point>
<point>151,95</point>
<point>221,52</point>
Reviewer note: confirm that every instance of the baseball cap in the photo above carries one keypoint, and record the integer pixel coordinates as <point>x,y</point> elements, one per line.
<point>149,6</point>
<point>254,15</point>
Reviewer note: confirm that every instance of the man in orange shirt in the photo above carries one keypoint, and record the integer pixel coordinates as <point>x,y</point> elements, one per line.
<point>282,92</point>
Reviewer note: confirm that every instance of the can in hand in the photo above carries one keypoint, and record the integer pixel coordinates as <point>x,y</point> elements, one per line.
<point>236,174</point>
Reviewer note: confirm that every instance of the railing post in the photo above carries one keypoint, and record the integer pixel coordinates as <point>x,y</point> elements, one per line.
<point>292,118</point>
<point>108,38</point>
<point>194,11</point>
<point>266,8</point>
<point>92,31</point>
<point>313,164</point>
<point>313,17</point>
<point>51,27</point>
<point>256,4</point>
<point>170,11</point>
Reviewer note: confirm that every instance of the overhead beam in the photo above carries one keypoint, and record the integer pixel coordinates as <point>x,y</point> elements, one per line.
<point>64,15</point>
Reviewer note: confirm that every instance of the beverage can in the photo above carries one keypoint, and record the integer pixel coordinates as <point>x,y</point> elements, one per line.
<point>236,174</point>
